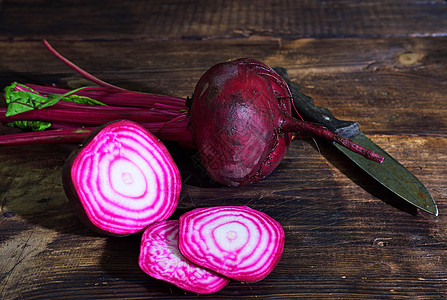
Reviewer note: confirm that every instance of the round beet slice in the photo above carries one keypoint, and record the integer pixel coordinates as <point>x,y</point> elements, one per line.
<point>122,179</point>
<point>161,259</point>
<point>236,241</point>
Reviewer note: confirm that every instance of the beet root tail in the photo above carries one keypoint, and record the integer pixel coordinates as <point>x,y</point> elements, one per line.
<point>294,125</point>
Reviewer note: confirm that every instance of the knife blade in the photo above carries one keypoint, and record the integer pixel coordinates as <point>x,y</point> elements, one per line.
<point>390,173</point>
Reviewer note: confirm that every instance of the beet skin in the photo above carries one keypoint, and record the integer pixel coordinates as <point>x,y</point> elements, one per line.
<point>237,112</point>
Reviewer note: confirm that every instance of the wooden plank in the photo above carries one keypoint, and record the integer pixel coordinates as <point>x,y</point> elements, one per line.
<point>342,239</point>
<point>201,19</point>
<point>356,78</point>
<point>346,237</point>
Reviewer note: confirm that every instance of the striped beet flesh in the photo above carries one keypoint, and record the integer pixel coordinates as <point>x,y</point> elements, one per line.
<point>236,241</point>
<point>161,259</point>
<point>122,179</point>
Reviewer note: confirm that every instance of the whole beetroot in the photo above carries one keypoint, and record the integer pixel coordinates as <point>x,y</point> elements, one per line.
<point>242,124</point>
<point>241,120</point>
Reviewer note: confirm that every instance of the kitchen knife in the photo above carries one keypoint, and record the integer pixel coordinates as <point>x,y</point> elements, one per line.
<point>389,173</point>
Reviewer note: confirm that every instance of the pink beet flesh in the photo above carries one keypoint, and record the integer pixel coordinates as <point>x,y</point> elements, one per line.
<point>235,241</point>
<point>122,179</point>
<point>161,259</point>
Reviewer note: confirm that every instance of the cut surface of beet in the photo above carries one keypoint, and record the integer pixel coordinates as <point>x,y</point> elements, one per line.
<point>235,241</point>
<point>122,179</point>
<point>161,259</point>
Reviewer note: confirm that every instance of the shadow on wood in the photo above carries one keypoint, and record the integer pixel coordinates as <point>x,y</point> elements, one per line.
<point>363,180</point>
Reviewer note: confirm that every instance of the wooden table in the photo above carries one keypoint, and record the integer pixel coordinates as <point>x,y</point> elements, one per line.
<point>381,63</point>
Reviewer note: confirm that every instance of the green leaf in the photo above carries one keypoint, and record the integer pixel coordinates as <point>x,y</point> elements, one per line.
<point>27,99</point>
<point>22,101</point>
<point>53,99</point>
<point>80,99</point>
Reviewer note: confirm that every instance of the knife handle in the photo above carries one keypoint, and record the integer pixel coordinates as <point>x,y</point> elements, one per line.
<point>310,112</point>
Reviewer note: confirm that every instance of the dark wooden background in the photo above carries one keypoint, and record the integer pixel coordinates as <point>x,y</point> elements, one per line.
<point>382,63</point>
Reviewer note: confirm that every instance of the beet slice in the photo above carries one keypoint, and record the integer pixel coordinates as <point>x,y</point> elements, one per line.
<point>236,241</point>
<point>161,259</point>
<point>122,179</point>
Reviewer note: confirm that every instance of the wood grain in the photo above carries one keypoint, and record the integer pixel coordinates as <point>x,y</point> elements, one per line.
<point>355,78</point>
<point>346,236</point>
<point>204,19</point>
<point>380,63</point>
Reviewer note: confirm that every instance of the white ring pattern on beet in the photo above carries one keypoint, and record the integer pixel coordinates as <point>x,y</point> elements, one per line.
<point>137,191</point>
<point>238,242</point>
<point>161,259</point>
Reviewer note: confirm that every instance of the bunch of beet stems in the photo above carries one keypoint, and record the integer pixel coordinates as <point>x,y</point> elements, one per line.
<point>165,116</point>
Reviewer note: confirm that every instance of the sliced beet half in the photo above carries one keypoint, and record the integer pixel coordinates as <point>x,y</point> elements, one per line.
<point>122,179</point>
<point>236,241</point>
<point>161,259</point>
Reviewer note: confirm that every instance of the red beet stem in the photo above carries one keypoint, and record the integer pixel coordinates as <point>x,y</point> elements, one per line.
<point>115,101</point>
<point>117,98</point>
<point>151,111</point>
<point>294,125</point>
<point>176,130</point>
<point>79,70</point>
<point>87,116</point>
<point>73,135</point>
